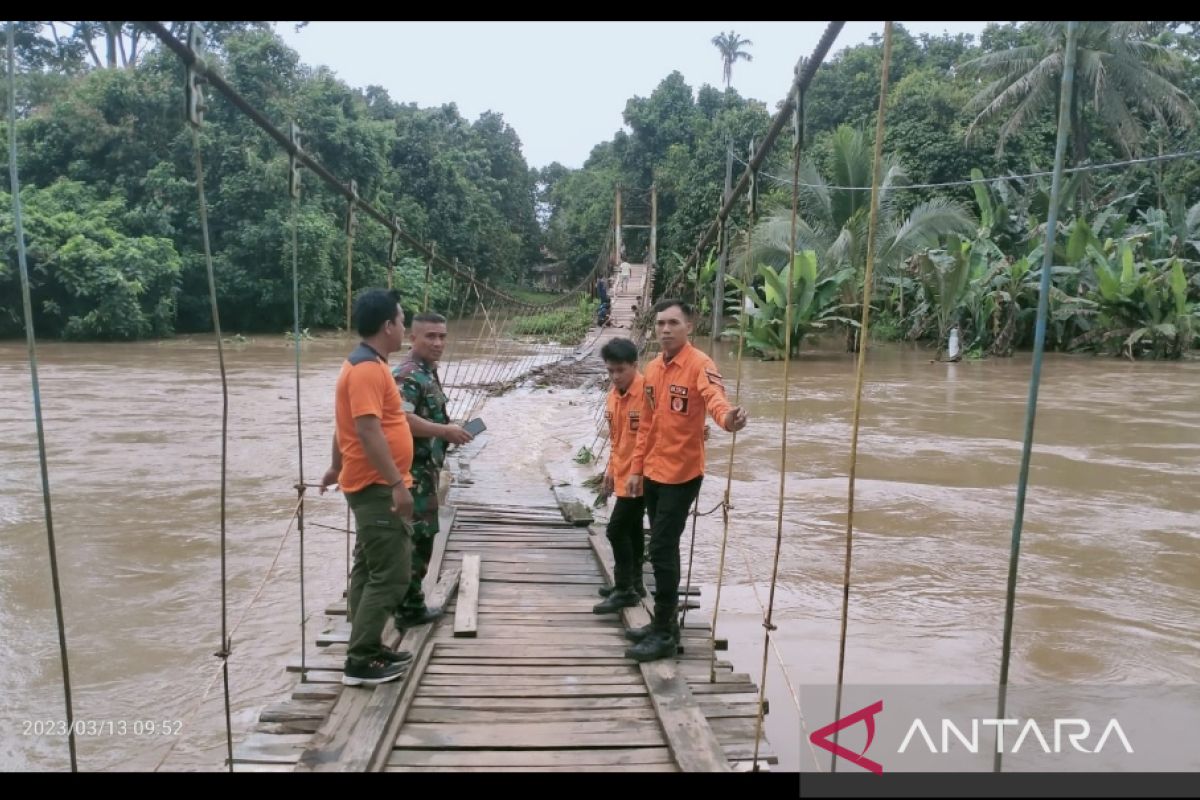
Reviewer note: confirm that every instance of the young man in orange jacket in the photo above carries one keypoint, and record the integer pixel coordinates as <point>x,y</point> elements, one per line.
<point>623,410</point>
<point>668,461</point>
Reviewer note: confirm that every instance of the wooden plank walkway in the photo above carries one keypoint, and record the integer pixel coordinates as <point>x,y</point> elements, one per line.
<point>542,685</point>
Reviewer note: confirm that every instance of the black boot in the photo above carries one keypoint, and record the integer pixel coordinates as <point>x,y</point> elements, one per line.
<point>411,618</point>
<point>638,634</point>
<point>638,586</point>
<point>659,643</point>
<point>621,598</point>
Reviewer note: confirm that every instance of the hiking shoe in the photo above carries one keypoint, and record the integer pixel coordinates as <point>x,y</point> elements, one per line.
<point>372,673</point>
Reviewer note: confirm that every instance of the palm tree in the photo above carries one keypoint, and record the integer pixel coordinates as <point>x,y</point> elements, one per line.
<point>833,221</point>
<point>730,46</point>
<point>1118,73</point>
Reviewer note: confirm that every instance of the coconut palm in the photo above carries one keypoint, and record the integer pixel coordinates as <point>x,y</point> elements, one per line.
<point>1119,72</point>
<point>833,221</point>
<point>730,45</point>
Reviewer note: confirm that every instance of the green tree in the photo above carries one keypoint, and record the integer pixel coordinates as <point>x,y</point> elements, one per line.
<point>1123,77</point>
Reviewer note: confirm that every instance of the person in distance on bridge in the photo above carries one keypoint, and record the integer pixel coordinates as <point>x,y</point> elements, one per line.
<point>424,404</point>
<point>680,384</point>
<point>623,410</point>
<point>626,269</point>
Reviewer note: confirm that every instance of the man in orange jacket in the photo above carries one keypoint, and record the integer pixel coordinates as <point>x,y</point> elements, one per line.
<point>623,410</point>
<point>668,461</point>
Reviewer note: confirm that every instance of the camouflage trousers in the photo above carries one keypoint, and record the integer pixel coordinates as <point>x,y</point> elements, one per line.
<point>425,528</point>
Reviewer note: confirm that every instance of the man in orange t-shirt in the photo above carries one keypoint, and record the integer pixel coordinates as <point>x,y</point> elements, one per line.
<point>623,410</point>
<point>372,462</point>
<point>668,461</point>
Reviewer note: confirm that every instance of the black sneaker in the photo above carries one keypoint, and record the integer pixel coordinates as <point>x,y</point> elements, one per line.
<point>605,591</point>
<point>411,619</point>
<point>372,673</point>
<point>396,656</point>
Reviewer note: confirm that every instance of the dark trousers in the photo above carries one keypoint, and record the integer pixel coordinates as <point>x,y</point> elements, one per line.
<point>382,567</point>
<point>668,505</point>
<point>425,529</point>
<point>628,541</point>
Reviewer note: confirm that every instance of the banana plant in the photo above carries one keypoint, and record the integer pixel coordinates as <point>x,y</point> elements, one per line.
<point>1143,307</point>
<point>815,305</point>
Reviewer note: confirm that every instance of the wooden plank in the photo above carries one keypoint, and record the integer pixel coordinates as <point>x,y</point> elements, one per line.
<point>578,690</point>
<point>692,740</point>
<point>291,726</point>
<point>266,748</point>
<point>537,579</point>
<point>324,677</point>
<point>556,637</point>
<point>286,767</point>
<point>288,712</point>
<point>542,592</point>
<point>487,650</point>
<point>523,681</point>
<point>532,703</point>
<point>324,663</point>
<point>576,513</point>
<point>551,620</point>
<point>571,560</point>
<point>715,711</point>
<point>523,759</point>
<point>558,735</point>
<point>520,661</point>
<point>316,691</point>
<point>744,751</point>
<point>731,730</point>
<point>476,716</point>
<point>436,667</point>
<point>358,729</point>
<point>572,768</point>
<point>466,614</point>
<point>724,688</point>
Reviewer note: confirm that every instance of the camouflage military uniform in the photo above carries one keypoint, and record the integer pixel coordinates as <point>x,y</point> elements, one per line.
<point>422,394</point>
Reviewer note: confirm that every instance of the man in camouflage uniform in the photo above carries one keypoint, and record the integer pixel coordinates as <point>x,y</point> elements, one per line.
<point>425,404</point>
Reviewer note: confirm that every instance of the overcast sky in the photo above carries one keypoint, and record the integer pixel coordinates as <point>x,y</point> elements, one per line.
<point>563,85</point>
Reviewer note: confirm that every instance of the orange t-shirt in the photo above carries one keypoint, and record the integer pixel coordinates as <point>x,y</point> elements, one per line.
<point>624,413</point>
<point>670,443</point>
<point>366,388</point>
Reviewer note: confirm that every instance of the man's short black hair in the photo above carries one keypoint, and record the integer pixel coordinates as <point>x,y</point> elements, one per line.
<point>373,309</point>
<point>668,302</point>
<point>429,316</point>
<point>619,351</point>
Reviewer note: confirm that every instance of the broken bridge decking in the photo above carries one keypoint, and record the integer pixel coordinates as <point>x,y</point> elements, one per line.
<point>519,674</point>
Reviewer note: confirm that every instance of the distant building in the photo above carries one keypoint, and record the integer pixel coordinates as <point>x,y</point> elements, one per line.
<point>550,277</point>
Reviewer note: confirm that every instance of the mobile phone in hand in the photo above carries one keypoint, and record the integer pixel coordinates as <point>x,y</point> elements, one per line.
<point>475,427</point>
